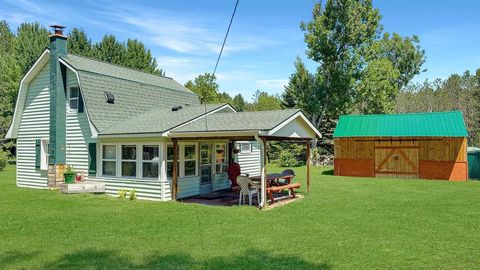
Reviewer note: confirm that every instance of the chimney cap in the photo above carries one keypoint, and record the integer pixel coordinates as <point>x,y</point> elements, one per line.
<point>57,29</point>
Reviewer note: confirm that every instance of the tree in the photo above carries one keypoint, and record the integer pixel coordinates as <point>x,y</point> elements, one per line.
<point>138,57</point>
<point>239,103</point>
<point>205,86</point>
<point>457,92</point>
<point>262,101</point>
<point>79,43</point>
<point>31,41</point>
<point>110,50</point>
<point>377,90</point>
<point>9,79</point>
<point>337,39</point>
<point>405,54</point>
<point>357,69</point>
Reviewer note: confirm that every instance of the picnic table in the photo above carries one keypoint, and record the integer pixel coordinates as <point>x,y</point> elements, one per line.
<point>273,184</point>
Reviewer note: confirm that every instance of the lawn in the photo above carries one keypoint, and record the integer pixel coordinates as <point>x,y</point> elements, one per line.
<point>344,223</point>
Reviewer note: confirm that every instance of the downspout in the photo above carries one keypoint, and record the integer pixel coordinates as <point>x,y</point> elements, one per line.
<point>263,177</point>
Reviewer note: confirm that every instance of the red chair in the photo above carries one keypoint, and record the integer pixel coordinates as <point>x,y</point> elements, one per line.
<point>233,171</point>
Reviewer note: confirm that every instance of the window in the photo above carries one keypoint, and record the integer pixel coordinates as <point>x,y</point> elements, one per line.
<point>170,160</point>
<point>190,160</point>
<point>73,98</point>
<point>109,160</point>
<point>129,160</point>
<point>44,154</point>
<point>220,158</point>
<point>245,147</point>
<point>150,161</point>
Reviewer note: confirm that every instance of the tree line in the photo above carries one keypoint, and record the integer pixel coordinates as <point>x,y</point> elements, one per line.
<point>21,48</point>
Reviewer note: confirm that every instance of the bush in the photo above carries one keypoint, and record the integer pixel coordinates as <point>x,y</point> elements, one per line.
<point>287,159</point>
<point>3,159</point>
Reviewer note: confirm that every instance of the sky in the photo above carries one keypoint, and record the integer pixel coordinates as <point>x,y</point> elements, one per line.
<point>185,36</point>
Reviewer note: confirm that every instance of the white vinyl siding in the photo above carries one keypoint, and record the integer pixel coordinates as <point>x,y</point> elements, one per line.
<point>250,161</point>
<point>78,133</point>
<point>34,124</point>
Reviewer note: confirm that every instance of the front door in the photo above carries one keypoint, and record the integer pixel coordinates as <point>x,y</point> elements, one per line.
<point>396,162</point>
<point>206,165</point>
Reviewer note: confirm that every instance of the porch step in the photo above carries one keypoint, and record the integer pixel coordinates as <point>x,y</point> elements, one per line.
<point>84,187</point>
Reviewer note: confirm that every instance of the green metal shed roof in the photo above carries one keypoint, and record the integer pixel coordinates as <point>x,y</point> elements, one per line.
<point>435,124</point>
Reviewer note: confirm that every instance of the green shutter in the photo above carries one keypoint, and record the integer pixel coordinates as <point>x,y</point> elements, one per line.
<point>38,143</point>
<point>80,102</point>
<point>92,159</point>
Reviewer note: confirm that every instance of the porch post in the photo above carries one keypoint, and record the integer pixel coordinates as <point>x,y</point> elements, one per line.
<point>308,166</point>
<point>174,173</point>
<point>264,172</point>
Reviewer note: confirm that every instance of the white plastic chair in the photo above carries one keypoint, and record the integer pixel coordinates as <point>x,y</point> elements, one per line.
<point>245,190</point>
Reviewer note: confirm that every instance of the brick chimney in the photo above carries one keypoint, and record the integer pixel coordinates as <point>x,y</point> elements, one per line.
<point>57,140</point>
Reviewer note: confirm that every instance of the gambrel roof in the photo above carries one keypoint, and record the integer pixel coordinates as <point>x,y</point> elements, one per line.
<point>151,104</point>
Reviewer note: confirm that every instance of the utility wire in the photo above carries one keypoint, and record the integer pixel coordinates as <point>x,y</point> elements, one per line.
<point>220,55</point>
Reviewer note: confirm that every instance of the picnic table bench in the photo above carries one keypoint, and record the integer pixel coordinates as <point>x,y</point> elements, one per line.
<point>274,186</point>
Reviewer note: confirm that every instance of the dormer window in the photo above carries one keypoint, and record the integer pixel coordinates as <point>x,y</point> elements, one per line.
<point>73,98</point>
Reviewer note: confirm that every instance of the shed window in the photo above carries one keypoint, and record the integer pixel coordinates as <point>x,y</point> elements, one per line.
<point>109,160</point>
<point>129,160</point>
<point>150,161</point>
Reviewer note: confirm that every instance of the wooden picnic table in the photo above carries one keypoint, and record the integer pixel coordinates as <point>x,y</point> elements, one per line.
<point>274,186</point>
<point>272,178</point>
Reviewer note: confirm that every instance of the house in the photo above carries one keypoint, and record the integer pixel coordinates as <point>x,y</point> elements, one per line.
<point>133,130</point>
<point>414,145</point>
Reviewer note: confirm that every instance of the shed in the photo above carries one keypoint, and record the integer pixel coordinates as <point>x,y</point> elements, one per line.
<point>413,145</point>
<point>473,162</point>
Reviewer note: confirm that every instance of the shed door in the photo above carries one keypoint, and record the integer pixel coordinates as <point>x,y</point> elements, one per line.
<point>396,162</point>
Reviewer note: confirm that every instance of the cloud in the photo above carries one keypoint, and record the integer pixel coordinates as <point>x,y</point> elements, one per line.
<point>277,84</point>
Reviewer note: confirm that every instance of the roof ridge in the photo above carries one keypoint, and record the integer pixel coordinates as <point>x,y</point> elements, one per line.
<point>117,65</point>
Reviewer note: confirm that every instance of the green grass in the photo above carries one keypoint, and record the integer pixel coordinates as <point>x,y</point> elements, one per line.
<point>344,223</point>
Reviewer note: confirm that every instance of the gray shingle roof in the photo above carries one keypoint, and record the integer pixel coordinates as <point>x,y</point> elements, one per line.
<point>261,120</point>
<point>161,120</point>
<point>135,92</point>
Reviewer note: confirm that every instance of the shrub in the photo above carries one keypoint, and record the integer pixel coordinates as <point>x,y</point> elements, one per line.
<point>287,159</point>
<point>122,193</point>
<point>3,159</point>
<point>133,195</point>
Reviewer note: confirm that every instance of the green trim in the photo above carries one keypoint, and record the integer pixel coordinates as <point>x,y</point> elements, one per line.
<point>92,159</point>
<point>38,144</point>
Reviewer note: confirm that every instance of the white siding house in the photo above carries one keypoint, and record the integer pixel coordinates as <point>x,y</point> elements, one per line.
<point>120,128</point>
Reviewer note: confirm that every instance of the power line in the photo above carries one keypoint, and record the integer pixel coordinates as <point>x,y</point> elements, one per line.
<point>225,39</point>
<point>219,56</point>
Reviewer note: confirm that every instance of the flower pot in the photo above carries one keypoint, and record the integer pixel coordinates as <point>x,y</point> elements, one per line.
<point>69,177</point>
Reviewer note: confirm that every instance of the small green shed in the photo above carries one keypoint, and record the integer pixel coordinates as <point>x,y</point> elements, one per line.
<point>473,162</point>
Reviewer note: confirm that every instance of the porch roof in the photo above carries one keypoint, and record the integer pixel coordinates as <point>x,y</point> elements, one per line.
<point>278,123</point>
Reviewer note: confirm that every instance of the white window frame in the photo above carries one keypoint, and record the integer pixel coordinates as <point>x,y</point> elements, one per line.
<point>241,144</point>
<point>136,160</point>
<point>70,98</point>
<point>167,145</point>
<point>108,159</point>
<point>183,159</point>
<point>225,156</point>
<point>150,161</point>
<point>44,155</point>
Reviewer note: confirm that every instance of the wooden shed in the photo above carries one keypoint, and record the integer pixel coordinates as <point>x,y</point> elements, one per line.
<point>415,145</point>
